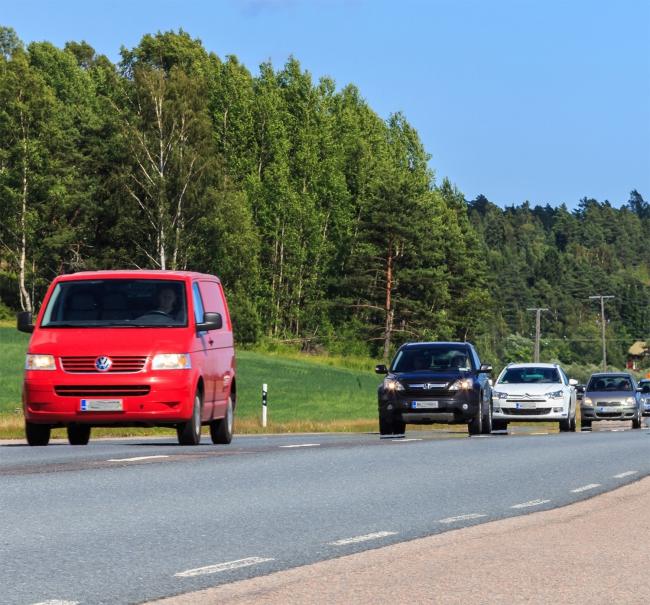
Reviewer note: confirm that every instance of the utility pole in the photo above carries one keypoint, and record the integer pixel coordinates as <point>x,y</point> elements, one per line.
<point>602,324</point>
<point>538,329</point>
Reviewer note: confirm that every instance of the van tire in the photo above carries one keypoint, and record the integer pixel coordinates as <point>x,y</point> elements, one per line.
<point>78,434</point>
<point>189,433</point>
<point>37,434</point>
<point>221,430</point>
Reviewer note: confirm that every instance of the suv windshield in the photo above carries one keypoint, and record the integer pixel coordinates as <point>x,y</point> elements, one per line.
<point>97,303</point>
<point>609,383</point>
<point>432,359</point>
<point>530,375</point>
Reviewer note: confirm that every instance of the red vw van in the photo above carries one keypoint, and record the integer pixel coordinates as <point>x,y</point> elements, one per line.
<point>130,348</point>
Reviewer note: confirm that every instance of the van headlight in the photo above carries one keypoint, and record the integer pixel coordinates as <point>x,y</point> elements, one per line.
<point>462,385</point>
<point>390,384</point>
<point>171,361</point>
<point>40,362</point>
<point>555,395</point>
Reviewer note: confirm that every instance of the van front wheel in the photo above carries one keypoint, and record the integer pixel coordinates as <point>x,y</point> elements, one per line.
<point>221,429</point>
<point>37,434</point>
<point>78,434</point>
<point>189,433</point>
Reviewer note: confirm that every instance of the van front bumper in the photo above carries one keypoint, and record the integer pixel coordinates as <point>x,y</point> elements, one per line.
<point>155,398</point>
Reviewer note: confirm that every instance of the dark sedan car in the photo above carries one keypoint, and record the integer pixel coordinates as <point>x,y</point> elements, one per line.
<point>611,396</point>
<point>435,382</point>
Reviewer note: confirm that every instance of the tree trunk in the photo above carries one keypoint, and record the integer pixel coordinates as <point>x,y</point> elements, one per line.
<point>390,312</point>
<point>25,299</point>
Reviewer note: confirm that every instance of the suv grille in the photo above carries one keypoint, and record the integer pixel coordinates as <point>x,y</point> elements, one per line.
<point>86,365</point>
<point>85,390</point>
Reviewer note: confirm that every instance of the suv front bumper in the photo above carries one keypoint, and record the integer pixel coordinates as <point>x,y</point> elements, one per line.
<point>459,408</point>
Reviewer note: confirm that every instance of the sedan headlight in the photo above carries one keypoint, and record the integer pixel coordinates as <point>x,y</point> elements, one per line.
<point>555,395</point>
<point>630,401</point>
<point>390,384</point>
<point>40,362</point>
<point>587,401</point>
<point>462,384</point>
<point>499,395</point>
<point>171,361</point>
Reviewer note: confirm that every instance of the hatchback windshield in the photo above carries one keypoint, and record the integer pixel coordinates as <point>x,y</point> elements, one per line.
<point>145,303</point>
<point>530,375</point>
<point>431,359</point>
<point>609,383</point>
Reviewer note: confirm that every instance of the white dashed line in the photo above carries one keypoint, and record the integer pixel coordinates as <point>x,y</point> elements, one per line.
<point>356,539</point>
<point>462,518</point>
<point>136,459</point>
<point>530,503</point>
<point>406,440</point>
<point>302,445</point>
<point>625,474</point>
<point>539,433</point>
<point>219,567</point>
<point>585,488</point>
<point>57,602</point>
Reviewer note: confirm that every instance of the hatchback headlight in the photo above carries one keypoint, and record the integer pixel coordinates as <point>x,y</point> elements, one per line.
<point>171,361</point>
<point>40,362</point>
<point>555,395</point>
<point>462,384</point>
<point>390,384</point>
<point>587,401</point>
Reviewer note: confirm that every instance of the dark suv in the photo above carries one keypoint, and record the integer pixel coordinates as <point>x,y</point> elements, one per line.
<point>435,382</point>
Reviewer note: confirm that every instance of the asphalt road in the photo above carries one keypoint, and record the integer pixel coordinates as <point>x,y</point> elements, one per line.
<point>125,521</point>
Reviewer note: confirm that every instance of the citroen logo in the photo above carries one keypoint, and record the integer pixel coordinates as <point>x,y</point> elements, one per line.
<point>103,363</point>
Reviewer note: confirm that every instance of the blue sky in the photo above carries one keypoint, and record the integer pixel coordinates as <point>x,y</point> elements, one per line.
<point>545,100</point>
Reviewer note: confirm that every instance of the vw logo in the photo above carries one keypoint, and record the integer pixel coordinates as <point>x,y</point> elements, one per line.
<point>103,363</point>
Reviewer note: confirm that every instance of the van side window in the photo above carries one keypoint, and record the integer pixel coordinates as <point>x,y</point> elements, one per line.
<point>198,303</point>
<point>213,300</point>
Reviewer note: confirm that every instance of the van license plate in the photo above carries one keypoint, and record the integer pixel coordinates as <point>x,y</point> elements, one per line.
<point>424,405</point>
<point>101,405</point>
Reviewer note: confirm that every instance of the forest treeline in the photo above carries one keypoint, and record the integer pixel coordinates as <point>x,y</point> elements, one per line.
<point>323,220</point>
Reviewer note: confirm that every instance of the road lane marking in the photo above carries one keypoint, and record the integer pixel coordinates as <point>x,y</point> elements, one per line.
<point>539,433</point>
<point>357,539</point>
<point>462,518</point>
<point>406,440</point>
<point>530,503</point>
<point>585,488</point>
<point>302,445</point>
<point>57,602</point>
<point>136,459</point>
<point>219,567</point>
<point>625,474</point>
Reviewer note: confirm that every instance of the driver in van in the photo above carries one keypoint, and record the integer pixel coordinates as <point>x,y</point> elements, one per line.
<point>166,300</point>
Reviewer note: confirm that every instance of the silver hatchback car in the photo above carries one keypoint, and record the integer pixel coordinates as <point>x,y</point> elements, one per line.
<point>611,396</point>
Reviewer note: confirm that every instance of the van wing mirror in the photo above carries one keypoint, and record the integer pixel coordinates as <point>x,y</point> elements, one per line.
<point>381,369</point>
<point>24,322</point>
<point>211,321</point>
<point>485,368</point>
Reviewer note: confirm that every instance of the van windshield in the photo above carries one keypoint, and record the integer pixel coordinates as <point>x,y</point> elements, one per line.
<point>100,303</point>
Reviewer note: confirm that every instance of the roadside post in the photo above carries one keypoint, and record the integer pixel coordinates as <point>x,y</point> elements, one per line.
<point>264,404</point>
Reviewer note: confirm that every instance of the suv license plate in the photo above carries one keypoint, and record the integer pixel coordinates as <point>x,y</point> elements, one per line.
<point>424,405</point>
<point>101,405</point>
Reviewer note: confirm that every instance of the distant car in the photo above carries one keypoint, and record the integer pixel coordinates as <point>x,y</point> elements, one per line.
<point>534,392</point>
<point>644,385</point>
<point>435,382</point>
<point>611,396</point>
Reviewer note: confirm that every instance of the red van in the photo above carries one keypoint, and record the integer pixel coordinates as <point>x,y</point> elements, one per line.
<point>130,348</point>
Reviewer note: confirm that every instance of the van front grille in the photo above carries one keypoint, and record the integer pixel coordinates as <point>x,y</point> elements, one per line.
<point>86,364</point>
<point>113,390</point>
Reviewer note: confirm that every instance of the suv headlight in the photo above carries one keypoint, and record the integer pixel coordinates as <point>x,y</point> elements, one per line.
<point>462,384</point>
<point>587,401</point>
<point>390,384</point>
<point>555,395</point>
<point>40,362</point>
<point>171,361</point>
<point>499,395</point>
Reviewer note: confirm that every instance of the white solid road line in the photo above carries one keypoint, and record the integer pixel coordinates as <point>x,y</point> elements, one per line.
<point>585,488</point>
<point>356,539</point>
<point>219,567</point>
<point>136,459</point>
<point>302,445</point>
<point>462,518</point>
<point>625,474</point>
<point>539,433</point>
<point>530,503</point>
